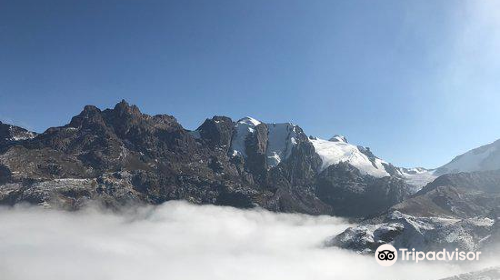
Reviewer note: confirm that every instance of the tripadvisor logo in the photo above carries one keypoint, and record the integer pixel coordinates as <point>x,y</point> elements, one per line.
<point>387,255</point>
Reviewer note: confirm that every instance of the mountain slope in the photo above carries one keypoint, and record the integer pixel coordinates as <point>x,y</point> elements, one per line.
<point>484,158</point>
<point>454,211</point>
<point>337,150</point>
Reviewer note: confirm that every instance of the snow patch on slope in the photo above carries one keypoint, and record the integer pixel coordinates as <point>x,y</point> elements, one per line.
<point>417,176</point>
<point>338,138</point>
<point>243,127</point>
<point>334,152</point>
<point>281,139</point>
<point>18,134</point>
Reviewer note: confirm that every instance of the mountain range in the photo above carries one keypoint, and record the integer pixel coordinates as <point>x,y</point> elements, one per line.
<point>120,156</point>
<point>459,208</point>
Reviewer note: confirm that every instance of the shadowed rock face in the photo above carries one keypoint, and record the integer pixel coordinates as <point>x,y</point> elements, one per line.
<point>120,156</point>
<point>217,132</point>
<point>352,194</point>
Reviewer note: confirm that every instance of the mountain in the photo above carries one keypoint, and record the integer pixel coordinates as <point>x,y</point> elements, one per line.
<point>454,211</point>
<point>337,150</point>
<point>459,207</point>
<point>121,156</point>
<point>484,158</point>
<point>281,138</point>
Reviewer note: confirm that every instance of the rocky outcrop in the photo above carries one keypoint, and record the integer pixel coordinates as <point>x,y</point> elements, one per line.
<point>217,132</point>
<point>11,133</point>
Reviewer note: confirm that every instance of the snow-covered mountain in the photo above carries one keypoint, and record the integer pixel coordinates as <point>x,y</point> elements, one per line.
<point>280,139</point>
<point>484,158</point>
<point>337,150</point>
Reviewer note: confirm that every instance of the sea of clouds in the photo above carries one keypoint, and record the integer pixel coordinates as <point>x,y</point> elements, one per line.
<point>178,240</point>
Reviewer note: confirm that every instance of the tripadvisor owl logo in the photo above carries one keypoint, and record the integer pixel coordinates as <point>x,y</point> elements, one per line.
<point>386,255</point>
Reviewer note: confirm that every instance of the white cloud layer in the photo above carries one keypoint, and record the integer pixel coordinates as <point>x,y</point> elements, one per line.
<point>182,241</point>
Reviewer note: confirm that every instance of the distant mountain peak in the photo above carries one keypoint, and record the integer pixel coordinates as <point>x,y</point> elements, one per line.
<point>483,158</point>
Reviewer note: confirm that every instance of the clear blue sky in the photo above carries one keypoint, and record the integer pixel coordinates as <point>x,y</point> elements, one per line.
<point>417,81</point>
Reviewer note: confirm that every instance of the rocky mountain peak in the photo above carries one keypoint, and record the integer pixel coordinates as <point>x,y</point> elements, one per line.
<point>123,109</point>
<point>249,121</point>
<point>90,109</point>
<point>338,138</point>
<point>217,131</point>
<point>88,118</point>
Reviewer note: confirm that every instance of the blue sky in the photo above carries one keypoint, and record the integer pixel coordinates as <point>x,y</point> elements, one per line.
<point>417,81</point>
